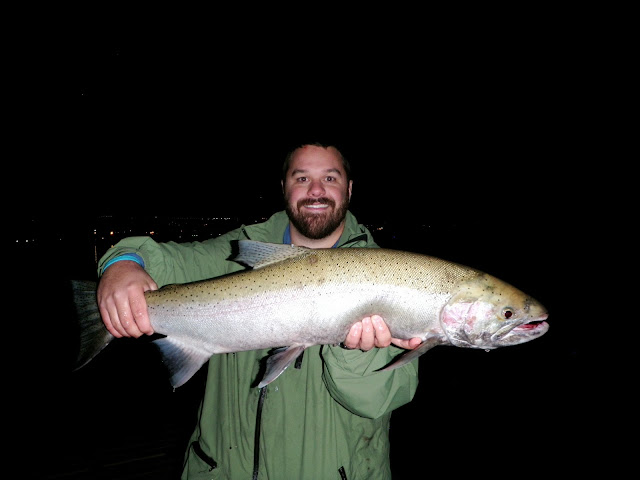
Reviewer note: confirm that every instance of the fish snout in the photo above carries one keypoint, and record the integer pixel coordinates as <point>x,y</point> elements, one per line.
<point>522,332</point>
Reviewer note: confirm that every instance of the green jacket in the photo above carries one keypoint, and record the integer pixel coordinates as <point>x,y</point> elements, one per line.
<point>326,418</point>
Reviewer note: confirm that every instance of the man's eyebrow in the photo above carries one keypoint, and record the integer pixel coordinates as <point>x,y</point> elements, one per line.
<point>297,171</point>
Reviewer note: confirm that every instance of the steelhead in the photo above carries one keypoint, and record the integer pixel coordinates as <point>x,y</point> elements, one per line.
<point>296,297</point>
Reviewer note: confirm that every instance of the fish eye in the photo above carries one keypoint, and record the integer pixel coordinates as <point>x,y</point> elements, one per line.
<point>507,312</point>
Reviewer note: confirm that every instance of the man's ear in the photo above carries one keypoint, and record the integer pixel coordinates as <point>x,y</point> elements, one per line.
<point>282,185</point>
<point>350,187</point>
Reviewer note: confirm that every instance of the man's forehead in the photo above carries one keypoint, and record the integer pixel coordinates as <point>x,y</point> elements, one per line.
<point>317,158</point>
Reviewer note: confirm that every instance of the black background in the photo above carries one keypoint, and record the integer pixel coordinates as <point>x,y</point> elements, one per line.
<point>461,149</point>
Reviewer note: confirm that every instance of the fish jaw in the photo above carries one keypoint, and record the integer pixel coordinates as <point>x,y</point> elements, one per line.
<point>522,332</point>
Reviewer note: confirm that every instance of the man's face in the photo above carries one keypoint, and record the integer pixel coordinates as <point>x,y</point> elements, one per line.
<point>316,191</point>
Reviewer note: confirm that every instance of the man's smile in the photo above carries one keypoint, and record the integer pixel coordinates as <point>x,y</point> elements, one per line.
<point>316,206</point>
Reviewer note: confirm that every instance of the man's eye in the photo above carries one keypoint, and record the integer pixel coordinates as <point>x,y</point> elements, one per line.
<point>331,179</point>
<point>301,179</point>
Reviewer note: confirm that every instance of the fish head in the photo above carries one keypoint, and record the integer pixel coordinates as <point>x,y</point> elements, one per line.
<point>485,312</point>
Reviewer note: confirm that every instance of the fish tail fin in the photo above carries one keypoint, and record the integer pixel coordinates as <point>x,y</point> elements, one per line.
<point>93,334</point>
<point>182,360</point>
<point>410,355</point>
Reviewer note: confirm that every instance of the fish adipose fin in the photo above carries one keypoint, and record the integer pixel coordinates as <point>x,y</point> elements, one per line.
<point>260,254</point>
<point>410,355</point>
<point>94,336</point>
<point>278,363</point>
<point>181,360</point>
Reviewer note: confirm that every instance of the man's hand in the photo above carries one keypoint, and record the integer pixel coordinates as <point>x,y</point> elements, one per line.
<point>373,332</point>
<point>121,299</point>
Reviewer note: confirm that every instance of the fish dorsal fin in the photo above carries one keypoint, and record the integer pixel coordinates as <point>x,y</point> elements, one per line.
<point>260,254</point>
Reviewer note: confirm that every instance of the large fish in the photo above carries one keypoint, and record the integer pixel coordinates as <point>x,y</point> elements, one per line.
<point>296,297</point>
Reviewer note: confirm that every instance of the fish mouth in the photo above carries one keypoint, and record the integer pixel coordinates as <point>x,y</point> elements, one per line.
<point>533,324</point>
<point>533,327</point>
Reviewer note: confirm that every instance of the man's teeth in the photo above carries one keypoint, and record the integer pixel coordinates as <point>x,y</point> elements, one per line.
<point>317,205</point>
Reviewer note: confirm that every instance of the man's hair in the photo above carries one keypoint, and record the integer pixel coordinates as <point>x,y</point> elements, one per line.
<point>287,160</point>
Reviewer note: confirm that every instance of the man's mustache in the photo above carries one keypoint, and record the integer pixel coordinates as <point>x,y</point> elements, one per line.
<point>312,201</point>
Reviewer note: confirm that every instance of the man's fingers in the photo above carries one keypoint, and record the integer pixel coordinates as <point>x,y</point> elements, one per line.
<point>407,344</point>
<point>374,332</point>
<point>106,318</point>
<point>382,333</point>
<point>353,337</point>
<point>367,340</point>
<point>114,315</point>
<point>119,318</point>
<point>128,321</point>
<point>141,315</point>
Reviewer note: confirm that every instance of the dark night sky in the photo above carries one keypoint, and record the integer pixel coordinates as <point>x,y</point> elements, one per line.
<point>125,122</point>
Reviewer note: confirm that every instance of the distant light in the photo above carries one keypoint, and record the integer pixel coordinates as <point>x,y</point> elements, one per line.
<point>111,233</point>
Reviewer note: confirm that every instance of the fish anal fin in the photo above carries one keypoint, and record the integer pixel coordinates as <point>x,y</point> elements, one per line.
<point>182,360</point>
<point>261,254</point>
<point>410,355</point>
<point>278,363</point>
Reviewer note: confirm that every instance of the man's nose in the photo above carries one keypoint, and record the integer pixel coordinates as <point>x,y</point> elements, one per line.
<point>316,188</point>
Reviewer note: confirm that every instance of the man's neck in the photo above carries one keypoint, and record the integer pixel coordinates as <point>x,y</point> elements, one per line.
<point>327,242</point>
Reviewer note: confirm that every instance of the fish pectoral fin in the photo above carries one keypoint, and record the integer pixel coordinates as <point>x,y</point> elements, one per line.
<point>410,355</point>
<point>182,360</point>
<point>278,363</point>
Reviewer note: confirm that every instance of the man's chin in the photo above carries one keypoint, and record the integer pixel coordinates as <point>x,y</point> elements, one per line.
<point>316,226</point>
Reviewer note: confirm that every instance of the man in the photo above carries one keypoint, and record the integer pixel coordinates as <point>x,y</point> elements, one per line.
<point>326,418</point>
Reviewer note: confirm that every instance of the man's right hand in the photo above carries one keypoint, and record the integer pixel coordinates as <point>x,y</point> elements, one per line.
<point>121,299</point>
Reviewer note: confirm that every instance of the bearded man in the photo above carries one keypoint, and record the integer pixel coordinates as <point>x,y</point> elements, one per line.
<point>328,417</point>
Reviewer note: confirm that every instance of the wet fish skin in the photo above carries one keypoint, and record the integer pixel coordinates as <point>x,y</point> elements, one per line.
<point>298,297</point>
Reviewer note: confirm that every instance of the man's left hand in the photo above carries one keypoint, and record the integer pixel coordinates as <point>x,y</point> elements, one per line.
<point>373,332</point>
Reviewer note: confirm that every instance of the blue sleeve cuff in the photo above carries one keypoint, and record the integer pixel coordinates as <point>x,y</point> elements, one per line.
<point>134,257</point>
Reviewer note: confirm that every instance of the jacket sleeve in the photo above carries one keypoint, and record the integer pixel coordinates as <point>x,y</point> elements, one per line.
<point>352,380</point>
<point>173,262</point>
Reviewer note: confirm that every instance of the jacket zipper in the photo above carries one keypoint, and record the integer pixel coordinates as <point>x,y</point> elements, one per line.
<point>256,442</point>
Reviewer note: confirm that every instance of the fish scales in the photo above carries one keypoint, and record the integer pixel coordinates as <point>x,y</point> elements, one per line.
<point>297,297</point>
<point>325,289</point>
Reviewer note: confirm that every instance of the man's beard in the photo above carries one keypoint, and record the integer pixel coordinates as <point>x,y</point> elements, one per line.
<point>317,225</point>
